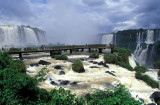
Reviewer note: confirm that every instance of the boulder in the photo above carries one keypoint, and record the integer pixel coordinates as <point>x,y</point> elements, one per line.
<point>155,96</point>
<point>110,73</point>
<point>101,63</point>
<point>53,83</point>
<point>42,62</point>
<point>61,73</point>
<point>50,78</point>
<point>95,62</point>
<point>57,67</point>
<point>93,67</point>
<point>74,83</point>
<point>105,65</point>
<point>34,64</point>
<point>64,82</point>
<point>90,61</point>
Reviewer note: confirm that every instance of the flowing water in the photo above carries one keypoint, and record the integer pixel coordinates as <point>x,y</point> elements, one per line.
<point>107,39</point>
<point>20,36</point>
<point>93,79</point>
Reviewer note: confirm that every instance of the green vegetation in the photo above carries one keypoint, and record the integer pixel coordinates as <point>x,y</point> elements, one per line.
<point>120,96</point>
<point>64,97</point>
<point>158,73</point>
<point>157,65</point>
<point>40,75</point>
<point>147,79</point>
<point>20,64</point>
<point>110,58</point>
<point>94,55</point>
<point>140,69</point>
<point>125,65</point>
<point>77,66</point>
<point>61,57</point>
<point>14,49</point>
<point>30,49</point>
<point>17,88</point>
<point>120,58</point>
<point>54,53</point>
<point>122,51</point>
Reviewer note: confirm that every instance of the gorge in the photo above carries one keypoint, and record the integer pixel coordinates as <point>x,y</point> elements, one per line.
<point>144,44</point>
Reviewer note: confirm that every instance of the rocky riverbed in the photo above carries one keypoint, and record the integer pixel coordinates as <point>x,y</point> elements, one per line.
<point>97,76</point>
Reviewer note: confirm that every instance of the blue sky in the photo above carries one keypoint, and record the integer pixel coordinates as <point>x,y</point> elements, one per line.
<point>79,21</point>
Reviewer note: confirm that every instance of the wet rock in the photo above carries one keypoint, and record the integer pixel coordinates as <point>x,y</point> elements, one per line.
<point>113,71</point>
<point>105,65</point>
<point>88,96</point>
<point>50,78</point>
<point>28,71</point>
<point>64,82</point>
<point>101,63</point>
<point>74,83</point>
<point>53,83</point>
<point>34,64</point>
<point>110,73</point>
<point>42,62</point>
<point>155,96</point>
<point>90,61</point>
<point>57,67</point>
<point>95,62</point>
<point>82,59</point>
<point>93,67</point>
<point>61,73</point>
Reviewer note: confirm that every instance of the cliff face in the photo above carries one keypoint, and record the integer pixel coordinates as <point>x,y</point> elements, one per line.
<point>20,36</point>
<point>145,44</point>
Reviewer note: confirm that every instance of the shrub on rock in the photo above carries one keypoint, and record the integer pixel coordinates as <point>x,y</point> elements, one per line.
<point>77,66</point>
<point>110,58</point>
<point>61,57</point>
<point>54,53</point>
<point>147,79</point>
<point>157,65</point>
<point>141,69</point>
<point>124,65</point>
<point>94,55</point>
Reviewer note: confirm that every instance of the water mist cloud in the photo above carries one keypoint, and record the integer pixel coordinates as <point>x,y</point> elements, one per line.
<point>80,21</point>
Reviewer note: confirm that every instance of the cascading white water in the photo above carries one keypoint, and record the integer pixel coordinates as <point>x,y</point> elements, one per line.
<point>107,39</point>
<point>143,56</point>
<point>20,36</point>
<point>140,53</point>
<point>150,37</point>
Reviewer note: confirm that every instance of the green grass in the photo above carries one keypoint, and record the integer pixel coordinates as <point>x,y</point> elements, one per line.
<point>61,57</point>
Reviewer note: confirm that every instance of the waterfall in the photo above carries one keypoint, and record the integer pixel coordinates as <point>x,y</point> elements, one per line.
<point>143,56</point>
<point>150,37</point>
<point>107,39</point>
<point>20,36</point>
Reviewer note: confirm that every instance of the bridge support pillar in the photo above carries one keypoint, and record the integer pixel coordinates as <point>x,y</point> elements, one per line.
<point>89,49</point>
<point>100,50</point>
<point>70,51</point>
<point>82,49</point>
<point>20,56</point>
